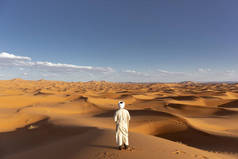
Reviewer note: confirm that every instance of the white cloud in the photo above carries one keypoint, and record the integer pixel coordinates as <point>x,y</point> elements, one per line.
<point>130,71</point>
<point>5,55</point>
<point>204,70</point>
<point>230,71</point>
<point>134,72</point>
<point>165,72</point>
<point>7,59</point>
<point>60,65</point>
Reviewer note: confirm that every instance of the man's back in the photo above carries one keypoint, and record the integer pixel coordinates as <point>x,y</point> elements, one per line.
<point>122,116</point>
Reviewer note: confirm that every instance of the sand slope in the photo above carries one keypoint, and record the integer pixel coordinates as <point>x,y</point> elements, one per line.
<point>73,142</point>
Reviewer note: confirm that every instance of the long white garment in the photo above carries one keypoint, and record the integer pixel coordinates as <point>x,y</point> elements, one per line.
<point>122,118</point>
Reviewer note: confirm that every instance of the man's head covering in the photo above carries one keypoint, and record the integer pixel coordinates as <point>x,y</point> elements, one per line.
<point>121,104</point>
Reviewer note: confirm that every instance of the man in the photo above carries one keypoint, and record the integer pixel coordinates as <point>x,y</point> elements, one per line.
<point>121,119</point>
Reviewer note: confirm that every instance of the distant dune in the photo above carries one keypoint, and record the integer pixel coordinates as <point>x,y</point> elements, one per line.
<point>73,120</point>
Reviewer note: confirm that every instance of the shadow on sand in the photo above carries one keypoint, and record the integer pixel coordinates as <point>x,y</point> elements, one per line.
<point>201,110</point>
<point>134,113</point>
<point>232,104</point>
<point>40,133</point>
<point>202,140</point>
<point>105,146</point>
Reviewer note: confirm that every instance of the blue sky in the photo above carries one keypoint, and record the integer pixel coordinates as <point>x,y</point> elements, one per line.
<point>138,41</point>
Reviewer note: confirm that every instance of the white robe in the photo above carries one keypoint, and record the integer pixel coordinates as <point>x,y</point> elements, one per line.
<point>122,118</point>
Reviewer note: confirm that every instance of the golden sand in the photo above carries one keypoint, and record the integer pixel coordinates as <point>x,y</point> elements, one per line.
<point>73,120</point>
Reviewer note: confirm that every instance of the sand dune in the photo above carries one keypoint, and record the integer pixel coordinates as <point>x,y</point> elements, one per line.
<point>73,120</point>
<point>232,104</point>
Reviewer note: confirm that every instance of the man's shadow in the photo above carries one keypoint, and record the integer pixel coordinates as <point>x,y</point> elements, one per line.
<point>104,146</point>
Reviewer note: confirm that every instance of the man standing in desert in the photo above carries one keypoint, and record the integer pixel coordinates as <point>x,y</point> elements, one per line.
<point>121,119</point>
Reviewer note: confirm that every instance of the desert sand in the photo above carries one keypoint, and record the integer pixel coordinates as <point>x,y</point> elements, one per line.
<point>74,120</point>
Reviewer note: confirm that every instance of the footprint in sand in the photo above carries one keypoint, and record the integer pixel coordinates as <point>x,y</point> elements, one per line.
<point>131,149</point>
<point>106,155</point>
<point>178,152</point>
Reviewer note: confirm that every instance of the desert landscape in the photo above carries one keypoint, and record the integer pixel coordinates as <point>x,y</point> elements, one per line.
<point>74,120</point>
<point>69,67</point>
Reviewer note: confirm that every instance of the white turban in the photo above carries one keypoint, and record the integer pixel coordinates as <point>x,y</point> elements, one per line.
<point>121,104</point>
